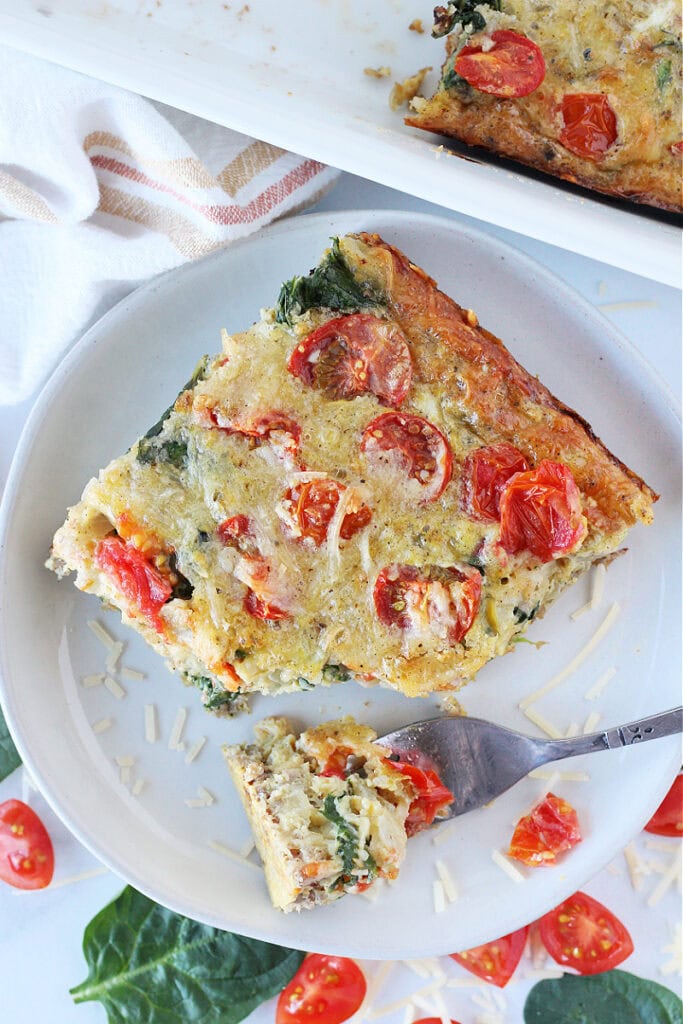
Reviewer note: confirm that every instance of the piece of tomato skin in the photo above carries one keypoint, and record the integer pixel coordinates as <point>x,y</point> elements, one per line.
<point>668,818</point>
<point>27,857</point>
<point>574,951</point>
<point>495,961</point>
<point>325,990</point>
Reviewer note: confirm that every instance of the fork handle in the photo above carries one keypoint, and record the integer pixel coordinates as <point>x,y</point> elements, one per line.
<point>664,724</point>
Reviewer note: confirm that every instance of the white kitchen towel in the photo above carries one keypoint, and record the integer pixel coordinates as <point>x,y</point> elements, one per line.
<point>100,190</point>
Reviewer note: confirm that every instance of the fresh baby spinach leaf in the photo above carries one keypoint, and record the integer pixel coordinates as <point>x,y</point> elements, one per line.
<point>151,966</point>
<point>615,997</point>
<point>9,755</point>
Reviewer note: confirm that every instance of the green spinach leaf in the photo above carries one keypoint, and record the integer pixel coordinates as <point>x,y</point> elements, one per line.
<point>464,12</point>
<point>9,755</point>
<point>150,451</point>
<point>664,74</point>
<point>347,839</point>
<point>615,997</point>
<point>151,966</point>
<point>335,673</point>
<point>214,697</point>
<point>198,374</point>
<point>331,285</point>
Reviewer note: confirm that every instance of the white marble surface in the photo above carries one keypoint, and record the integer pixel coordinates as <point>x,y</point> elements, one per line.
<point>41,933</point>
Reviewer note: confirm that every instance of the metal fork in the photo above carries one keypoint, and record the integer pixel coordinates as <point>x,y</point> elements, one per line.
<point>478,760</point>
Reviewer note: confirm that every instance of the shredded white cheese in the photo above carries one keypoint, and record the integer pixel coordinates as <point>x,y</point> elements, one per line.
<point>591,722</point>
<point>114,687</point>
<point>68,880</point>
<point>125,774</point>
<point>588,648</point>
<point>613,307</point>
<point>114,656</point>
<point>543,724</point>
<point>231,854</point>
<point>334,531</point>
<point>132,673</point>
<point>449,886</point>
<point>672,874</point>
<point>138,786</point>
<point>100,632</point>
<point>382,1011</point>
<point>544,773</point>
<point>507,866</point>
<point>102,725</point>
<point>125,760</point>
<point>600,683</point>
<point>96,679</point>
<point>151,731</point>
<point>439,897</point>
<point>572,730</point>
<point>636,868</point>
<point>177,731</point>
<point>195,750</point>
<point>206,796</point>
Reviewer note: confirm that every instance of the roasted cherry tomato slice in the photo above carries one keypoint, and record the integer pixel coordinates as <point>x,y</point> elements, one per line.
<point>355,355</point>
<point>583,934</point>
<point>495,961</point>
<point>550,828</point>
<point>277,428</point>
<point>27,859</point>
<point>512,66</point>
<point>141,584</point>
<point>337,763</point>
<point>590,124</point>
<point>238,532</point>
<point>432,796</point>
<point>485,472</point>
<point>311,506</point>
<point>677,148</point>
<point>325,990</point>
<point>267,588</point>
<point>262,609</point>
<point>540,511</point>
<point>429,599</point>
<point>414,444</point>
<point>668,818</point>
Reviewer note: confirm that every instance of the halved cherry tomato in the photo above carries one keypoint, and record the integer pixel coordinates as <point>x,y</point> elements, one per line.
<point>325,990</point>
<point>433,599</point>
<point>311,507</point>
<point>677,147</point>
<point>495,961</point>
<point>583,934</point>
<point>141,584</point>
<point>27,860</point>
<point>432,796</point>
<point>513,66</point>
<point>337,762</point>
<point>433,1020</point>
<point>668,818</point>
<point>550,828</point>
<point>355,355</point>
<point>540,511</point>
<point>485,472</point>
<point>590,124</point>
<point>421,450</point>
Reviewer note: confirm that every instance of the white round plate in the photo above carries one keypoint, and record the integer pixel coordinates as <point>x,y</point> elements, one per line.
<point>106,393</point>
